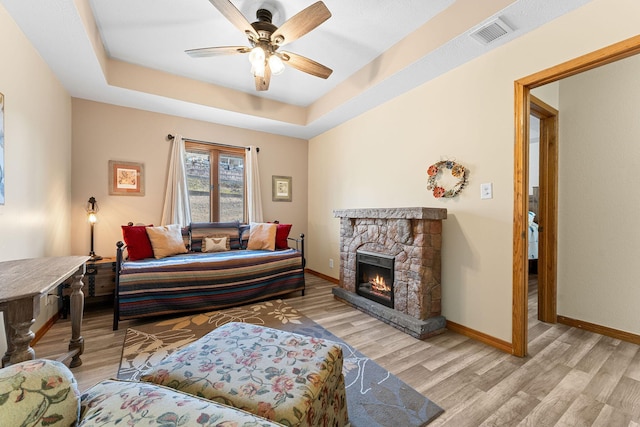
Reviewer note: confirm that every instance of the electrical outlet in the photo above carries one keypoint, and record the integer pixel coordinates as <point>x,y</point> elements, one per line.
<point>486,191</point>
<point>330,262</point>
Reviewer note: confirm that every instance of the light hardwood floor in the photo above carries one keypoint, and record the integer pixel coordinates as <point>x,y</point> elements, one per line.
<point>570,378</point>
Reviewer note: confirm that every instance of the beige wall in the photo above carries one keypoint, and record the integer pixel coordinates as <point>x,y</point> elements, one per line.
<point>34,222</point>
<point>599,204</point>
<point>380,159</point>
<point>103,132</point>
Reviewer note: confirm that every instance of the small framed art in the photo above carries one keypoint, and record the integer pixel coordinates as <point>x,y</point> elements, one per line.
<point>126,178</point>
<point>280,188</point>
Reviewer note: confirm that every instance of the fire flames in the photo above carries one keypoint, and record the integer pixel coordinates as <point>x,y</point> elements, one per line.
<point>379,286</point>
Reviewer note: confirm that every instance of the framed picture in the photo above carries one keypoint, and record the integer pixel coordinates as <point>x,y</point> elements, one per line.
<point>126,178</point>
<point>280,188</point>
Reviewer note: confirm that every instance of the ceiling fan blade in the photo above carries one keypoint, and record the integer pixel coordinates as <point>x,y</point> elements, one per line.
<point>306,65</point>
<point>262,83</point>
<point>235,17</point>
<point>205,52</point>
<point>301,23</point>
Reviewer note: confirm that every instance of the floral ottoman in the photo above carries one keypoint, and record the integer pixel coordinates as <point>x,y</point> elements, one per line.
<point>288,378</point>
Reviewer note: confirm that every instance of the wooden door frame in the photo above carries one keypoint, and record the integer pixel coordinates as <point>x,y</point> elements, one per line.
<point>522,89</point>
<point>547,209</point>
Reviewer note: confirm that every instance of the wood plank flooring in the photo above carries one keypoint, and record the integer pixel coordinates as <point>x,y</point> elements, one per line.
<point>570,378</point>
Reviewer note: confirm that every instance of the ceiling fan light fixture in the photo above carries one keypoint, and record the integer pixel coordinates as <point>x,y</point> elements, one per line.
<point>257,60</point>
<point>276,65</point>
<point>265,39</point>
<point>256,56</point>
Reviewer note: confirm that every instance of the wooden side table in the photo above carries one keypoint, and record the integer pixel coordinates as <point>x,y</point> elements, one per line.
<point>101,278</point>
<point>100,284</point>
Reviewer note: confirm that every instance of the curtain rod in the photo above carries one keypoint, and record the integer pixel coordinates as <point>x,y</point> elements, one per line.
<point>171,137</point>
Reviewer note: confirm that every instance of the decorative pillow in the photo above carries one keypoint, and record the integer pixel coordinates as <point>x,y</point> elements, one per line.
<point>38,392</point>
<point>201,230</point>
<point>244,235</point>
<point>215,244</point>
<point>262,236</point>
<point>186,236</point>
<point>137,241</point>
<point>166,240</point>
<point>282,233</point>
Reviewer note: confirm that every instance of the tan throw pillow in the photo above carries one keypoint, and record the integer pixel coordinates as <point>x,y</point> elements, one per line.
<point>215,244</point>
<point>166,240</point>
<point>262,236</point>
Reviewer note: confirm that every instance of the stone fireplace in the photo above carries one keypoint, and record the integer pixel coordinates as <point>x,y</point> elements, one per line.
<point>407,240</point>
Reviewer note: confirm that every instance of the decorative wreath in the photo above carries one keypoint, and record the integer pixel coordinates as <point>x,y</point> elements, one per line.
<point>435,173</point>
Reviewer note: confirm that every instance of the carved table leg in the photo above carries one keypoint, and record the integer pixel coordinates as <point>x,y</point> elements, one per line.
<point>77,311</point>
<point>19,316</point>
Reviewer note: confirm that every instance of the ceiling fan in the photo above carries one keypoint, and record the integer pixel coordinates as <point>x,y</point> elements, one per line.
<point>265,40</point>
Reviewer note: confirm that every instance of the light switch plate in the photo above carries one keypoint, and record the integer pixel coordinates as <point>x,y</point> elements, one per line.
<point>486,191</point>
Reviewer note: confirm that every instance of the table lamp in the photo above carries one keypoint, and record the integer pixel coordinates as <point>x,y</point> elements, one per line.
<point>92,210</point>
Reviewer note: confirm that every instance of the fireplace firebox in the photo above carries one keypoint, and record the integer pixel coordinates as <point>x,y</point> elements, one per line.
<point>374,272</point>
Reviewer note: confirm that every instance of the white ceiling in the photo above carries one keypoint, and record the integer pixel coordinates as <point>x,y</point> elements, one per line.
<point>155,33</point>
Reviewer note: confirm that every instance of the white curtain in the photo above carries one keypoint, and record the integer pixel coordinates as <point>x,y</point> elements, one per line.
<point>254,198</point>
<point>176,208</point>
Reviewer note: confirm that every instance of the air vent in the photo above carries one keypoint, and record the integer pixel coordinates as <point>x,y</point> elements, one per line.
<point>491,31</point>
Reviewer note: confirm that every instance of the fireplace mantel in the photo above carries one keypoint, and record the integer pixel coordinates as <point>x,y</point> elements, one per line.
<point>393,213</point>
<point>413,236</point>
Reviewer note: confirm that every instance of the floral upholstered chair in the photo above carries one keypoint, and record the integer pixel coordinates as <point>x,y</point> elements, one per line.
<point>44,393</point>
<point>38,393</point>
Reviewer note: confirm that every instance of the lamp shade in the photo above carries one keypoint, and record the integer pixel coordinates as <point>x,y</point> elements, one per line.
<point>276,65</point>
<point>92,205</point>
<point>256,56</point>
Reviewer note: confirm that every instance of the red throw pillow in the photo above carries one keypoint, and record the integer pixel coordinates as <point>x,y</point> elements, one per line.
<point>137,241</point>
<point>282,233</point>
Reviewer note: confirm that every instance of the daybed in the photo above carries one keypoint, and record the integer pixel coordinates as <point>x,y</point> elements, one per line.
<point>192,280</point>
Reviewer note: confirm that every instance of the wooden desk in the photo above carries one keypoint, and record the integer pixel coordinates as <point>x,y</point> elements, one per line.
<point>22,284</point>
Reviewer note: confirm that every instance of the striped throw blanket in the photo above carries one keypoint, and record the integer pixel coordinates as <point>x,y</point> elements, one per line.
<point>206,281</point>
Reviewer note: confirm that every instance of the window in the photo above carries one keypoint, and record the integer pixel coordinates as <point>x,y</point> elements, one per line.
<point>216,184</point>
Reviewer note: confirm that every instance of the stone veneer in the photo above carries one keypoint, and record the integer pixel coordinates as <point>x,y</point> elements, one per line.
<point>414,237</point>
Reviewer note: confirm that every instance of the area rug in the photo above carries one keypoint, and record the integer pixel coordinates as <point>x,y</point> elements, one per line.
<point>375,397</point>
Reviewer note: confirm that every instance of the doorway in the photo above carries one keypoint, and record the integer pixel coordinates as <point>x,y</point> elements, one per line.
<point>522,92</point>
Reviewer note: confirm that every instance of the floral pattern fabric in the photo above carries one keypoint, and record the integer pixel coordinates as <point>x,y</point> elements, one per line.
<point>374,395</point>
<point>292,379</point>
<point>121,403</point>
<point>38,393</point>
